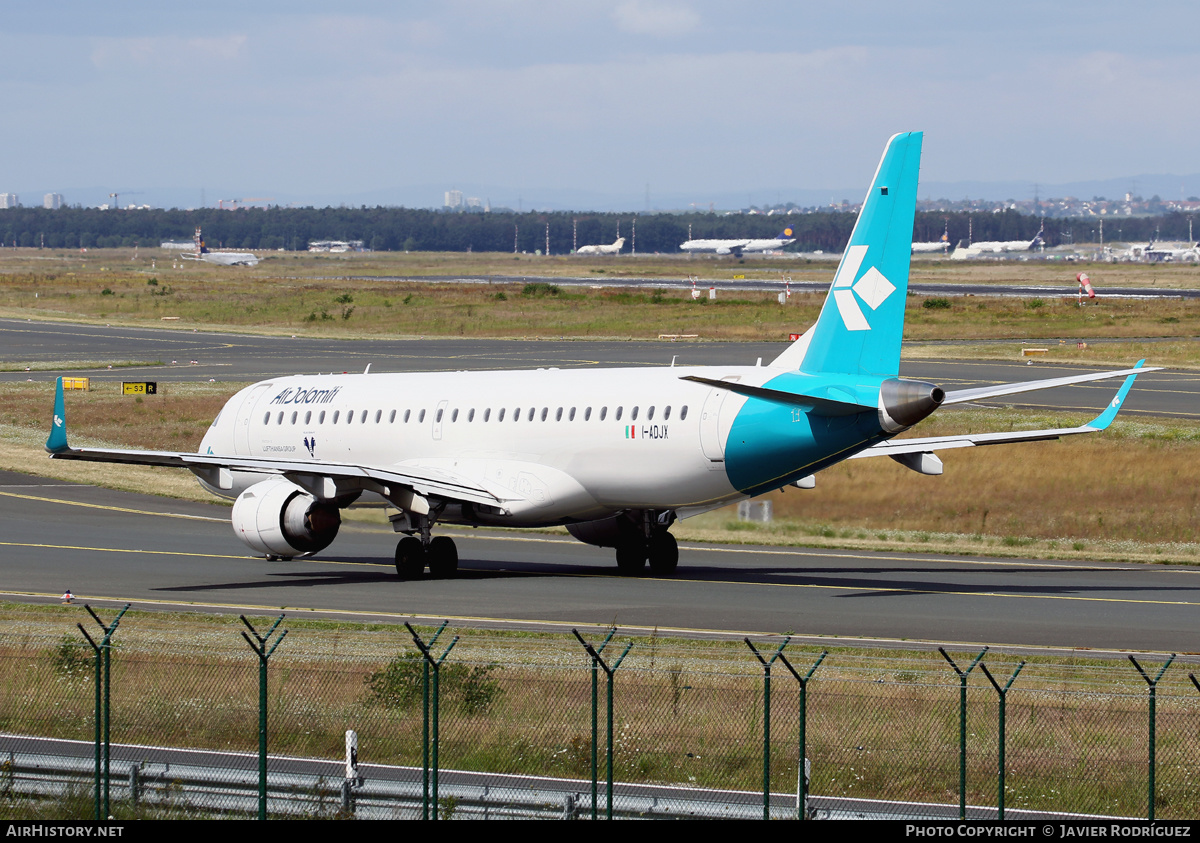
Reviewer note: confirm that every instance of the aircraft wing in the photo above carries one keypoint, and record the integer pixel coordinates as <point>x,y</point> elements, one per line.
<point>308,474</point>
<point>322,479</point>
<point>927,445</point>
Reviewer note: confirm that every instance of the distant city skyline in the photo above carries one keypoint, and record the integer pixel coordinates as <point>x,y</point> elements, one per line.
<point>554,105</point>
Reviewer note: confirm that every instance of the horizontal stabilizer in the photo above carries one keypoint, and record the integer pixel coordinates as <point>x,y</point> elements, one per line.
<point>819,406</point>
<point>959,396</point>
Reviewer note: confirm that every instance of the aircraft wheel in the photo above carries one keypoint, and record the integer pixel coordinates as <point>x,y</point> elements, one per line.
<point>443,557</point>
<point>664,554</point>
<point>410,558</point>
<point>631,559</point>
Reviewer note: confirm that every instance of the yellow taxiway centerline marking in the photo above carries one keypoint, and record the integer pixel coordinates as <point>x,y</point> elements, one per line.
<point>112,508</point>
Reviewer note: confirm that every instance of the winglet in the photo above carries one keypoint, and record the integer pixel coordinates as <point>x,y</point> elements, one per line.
<point>1110,412</point>
<point>57,443</point>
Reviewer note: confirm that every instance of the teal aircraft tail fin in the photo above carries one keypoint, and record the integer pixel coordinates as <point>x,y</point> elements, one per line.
<point>57,442</point>
<point>862,322</point>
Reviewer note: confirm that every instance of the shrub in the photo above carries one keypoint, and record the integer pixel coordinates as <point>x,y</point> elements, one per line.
<point>936,304</point>
<point>540,289</point>
<point>470,689</point>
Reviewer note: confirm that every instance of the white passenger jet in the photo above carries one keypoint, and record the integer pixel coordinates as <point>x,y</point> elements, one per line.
<point>613,248</point>
<point>201,253</point>
<point>738,247</point>
<point>615,455</point>
<point>992,247</point>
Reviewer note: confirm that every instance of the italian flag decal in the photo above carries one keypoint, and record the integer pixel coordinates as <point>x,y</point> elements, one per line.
<point>630,431</point>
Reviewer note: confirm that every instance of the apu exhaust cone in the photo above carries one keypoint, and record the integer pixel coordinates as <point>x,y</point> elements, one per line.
<point>903,403</point>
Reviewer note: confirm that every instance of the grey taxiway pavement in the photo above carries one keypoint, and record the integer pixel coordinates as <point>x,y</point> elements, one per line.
<point>114,546</point>
<point>173,355</point>
<point>111,547</point>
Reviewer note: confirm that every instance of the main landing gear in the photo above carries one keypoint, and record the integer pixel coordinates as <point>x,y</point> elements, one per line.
<point>660,550</point>
<point>440,554</point>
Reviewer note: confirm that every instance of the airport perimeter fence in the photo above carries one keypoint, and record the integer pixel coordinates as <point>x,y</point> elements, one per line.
<point>692,732</point>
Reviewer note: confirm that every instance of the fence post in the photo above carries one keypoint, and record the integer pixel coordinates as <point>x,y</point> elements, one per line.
<point>1153,683</point>
<point>595,704</point>
<point>962,727</point>
<point>260,649</point>
<point>802,770</point>
<point>103,700</point>
<point>767,720</point>
<point>609,671</point>
<point>436,664</point>
<point>1003,693</point>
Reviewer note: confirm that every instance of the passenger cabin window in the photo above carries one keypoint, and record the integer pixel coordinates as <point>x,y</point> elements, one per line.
<point>336,413</point>
<point>500,417</point>
<point>454,415</point>
<point>545,412</point>
<point>294,415</point>
<point>487,414</point>
<point>558,414</point>
<point>439,414</point>
<point>571,415</point>
<point>471,414</point>
<point>321,418</point>
<point>530,416</point>
<point>407,413</point>
<point>650,413</point>
<point>683,412</point>
<point>633,414</point>
<point>587,414</point>
<point>666,412</point>
<point>363,418</point>
<point>267,418</point>
<point>603,413</point>
<point>421,417</point>
<point>617,417</point>
<point>308,417</point>
<point>279,420</point>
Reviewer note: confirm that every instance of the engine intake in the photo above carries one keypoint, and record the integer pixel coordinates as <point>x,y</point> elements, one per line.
<point>278,518</point>
<point>903,403</point>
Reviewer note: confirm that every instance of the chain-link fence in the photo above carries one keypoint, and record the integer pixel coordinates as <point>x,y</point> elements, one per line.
<point>474,723</point>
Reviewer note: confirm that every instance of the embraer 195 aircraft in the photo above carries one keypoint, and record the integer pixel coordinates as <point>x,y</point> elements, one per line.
<point>616,455</point>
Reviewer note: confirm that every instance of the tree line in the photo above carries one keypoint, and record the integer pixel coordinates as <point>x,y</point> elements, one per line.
<point>408,229</point>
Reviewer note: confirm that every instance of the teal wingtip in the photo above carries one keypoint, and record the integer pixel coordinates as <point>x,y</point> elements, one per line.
<point>57,442</point>
<point>1103,420</point>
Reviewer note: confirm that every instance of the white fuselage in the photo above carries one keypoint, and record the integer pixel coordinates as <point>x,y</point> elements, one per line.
<point>575,445</point>
<point>730,247</point>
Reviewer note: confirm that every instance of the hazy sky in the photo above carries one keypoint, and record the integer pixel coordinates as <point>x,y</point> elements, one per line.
<point>693,97</point>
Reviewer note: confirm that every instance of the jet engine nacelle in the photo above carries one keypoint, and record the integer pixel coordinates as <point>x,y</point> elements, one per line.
<point>278,518</point>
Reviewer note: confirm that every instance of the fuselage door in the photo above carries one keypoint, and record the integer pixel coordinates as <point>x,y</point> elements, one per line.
<point>710,429</point>
<point>437,419</point>
<point>245,420</point>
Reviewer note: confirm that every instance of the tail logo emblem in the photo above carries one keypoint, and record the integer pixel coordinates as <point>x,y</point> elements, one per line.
<point>57,420</point>
<point>873,288</point>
